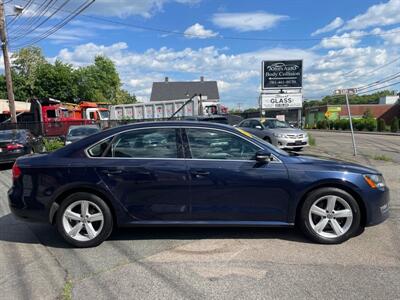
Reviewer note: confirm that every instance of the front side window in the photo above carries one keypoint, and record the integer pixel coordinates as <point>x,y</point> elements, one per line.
<point>245,124</point>
<point>145,143</point>
<point>254,124</point>
<point>215,144</point>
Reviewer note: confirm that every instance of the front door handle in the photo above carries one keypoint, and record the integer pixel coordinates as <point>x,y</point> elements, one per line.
<point>199,173</point>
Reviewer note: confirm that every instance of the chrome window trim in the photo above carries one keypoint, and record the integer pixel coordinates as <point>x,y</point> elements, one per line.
<point>276,159</point>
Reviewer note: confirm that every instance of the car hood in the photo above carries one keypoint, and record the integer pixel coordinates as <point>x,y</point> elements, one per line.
<point>334,164</point>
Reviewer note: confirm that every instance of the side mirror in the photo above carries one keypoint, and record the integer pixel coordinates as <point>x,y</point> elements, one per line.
<point>263,157</point>
<point>258,127</point>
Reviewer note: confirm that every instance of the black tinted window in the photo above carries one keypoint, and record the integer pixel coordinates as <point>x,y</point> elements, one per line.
<point>254,123</point>
<point>245,124</point>
<point>215,144</point>
<point>146,143</point>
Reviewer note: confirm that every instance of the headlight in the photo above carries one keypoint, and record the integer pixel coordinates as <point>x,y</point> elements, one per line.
<point>280,135</point>
<point>375,181</point>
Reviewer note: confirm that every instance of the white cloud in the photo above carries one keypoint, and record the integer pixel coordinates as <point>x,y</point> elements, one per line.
<point>198,31</point>
<point>377,15</point>
<point>336,23</point>
<point>346,40</point>
<point>238,75</point>
<point>391,37</point>
<point>125,8</point>
<point>252,21</point>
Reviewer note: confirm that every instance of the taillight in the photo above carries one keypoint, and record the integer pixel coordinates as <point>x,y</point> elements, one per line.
<point>11,147</point>
<point>16,171</point>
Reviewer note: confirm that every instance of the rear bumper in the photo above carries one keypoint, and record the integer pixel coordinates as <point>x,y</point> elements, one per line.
<point>20,208</point>
<point>9,158</point>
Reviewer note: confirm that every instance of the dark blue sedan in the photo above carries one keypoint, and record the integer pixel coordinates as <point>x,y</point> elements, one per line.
<point>192,174</point>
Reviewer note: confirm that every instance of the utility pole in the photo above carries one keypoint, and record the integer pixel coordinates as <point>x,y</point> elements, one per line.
<point>7,65</point>
<point>351,124</point>
<point>346,92</point>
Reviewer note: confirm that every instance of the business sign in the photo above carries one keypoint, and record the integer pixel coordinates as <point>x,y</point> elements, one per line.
<point>282,74</point>
<point>351,91</point>
<point>269,101</point>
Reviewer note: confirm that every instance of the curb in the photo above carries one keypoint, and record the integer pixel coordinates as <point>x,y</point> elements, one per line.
<point>355,132</point>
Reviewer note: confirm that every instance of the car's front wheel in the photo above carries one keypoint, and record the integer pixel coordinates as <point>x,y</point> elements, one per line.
<point>330,216</point>
<point>84,220</point>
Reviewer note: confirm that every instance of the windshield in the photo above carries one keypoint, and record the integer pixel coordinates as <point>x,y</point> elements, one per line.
<point>104,114</point>
<point>268,145</point>
<point>275,124</point>
<point>83,131</point>
<point>10,135</point>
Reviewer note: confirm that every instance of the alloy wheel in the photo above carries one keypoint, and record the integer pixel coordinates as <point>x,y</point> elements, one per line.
<point>83,220</point>
<point>330,216</point>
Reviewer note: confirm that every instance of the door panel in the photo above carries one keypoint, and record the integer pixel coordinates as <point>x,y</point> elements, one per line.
<point>145,170</point>
<point>236,188</point>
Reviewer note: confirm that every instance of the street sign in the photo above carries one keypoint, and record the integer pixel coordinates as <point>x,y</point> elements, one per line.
<point>279,101</point>
<point>351,91</point>
<point>284,74</point>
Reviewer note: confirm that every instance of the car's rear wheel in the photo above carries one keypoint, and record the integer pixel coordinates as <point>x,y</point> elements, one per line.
<point>330,216</point>
<point>84,220</point>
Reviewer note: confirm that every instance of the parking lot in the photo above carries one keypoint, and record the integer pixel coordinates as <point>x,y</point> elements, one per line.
<point>198,263</point>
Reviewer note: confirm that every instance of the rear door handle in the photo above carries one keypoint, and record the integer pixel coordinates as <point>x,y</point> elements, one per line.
<point>112,172</point>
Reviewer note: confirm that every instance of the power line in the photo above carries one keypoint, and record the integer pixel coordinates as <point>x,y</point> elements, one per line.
<point>378,82</point>
<point>379,88</point>
<point>24,27</point>
<point>57,26</point>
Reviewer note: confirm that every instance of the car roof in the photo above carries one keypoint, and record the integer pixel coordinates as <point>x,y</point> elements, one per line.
<point>84,126</point>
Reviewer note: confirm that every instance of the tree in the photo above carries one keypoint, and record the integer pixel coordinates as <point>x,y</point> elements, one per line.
<point>25,65</point>
<point>381,125</point>
<point>99,82</point>
<point>124,97</point>
<point>56,81</point>
<point>394,126</point>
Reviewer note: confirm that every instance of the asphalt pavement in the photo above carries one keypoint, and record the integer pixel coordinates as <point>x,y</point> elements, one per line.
<point>199,263</point>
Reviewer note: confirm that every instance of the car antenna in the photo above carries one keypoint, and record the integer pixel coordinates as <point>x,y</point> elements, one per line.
<point>180,108</point>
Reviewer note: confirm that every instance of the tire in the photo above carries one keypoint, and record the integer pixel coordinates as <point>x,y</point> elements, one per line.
<point>297,148</point>
<point>84,231</point>
<point>316,213</point>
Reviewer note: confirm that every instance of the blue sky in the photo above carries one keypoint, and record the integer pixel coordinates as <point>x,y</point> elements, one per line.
<point>344,43</point>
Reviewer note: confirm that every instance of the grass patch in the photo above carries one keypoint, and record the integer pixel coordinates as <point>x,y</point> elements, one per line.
<point>382,157</point>
<point>67,290</point>
<point>311,140</point>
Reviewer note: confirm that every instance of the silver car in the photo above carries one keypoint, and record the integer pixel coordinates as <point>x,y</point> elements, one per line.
<point>276,132</point>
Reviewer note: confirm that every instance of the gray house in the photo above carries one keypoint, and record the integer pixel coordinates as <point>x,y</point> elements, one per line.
<point>170,90</point>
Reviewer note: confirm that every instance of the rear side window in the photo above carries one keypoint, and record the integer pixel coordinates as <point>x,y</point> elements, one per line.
<point>215,144</point>
<point>145,143</point>
<point>98,149</point>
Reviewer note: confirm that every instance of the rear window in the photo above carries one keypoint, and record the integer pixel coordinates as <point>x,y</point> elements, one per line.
<point>10,135</point>
<point>82,131</point>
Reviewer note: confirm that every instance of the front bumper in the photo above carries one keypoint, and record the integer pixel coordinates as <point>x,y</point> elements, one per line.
<point>290,143</point>
<point>377,204</point>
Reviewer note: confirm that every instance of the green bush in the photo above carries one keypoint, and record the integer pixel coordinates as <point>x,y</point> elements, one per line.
<point>52,144</point>
<point>394,126</point>
<point>381,125</point>
<point>344,124</point>
<point>322,124</point>
<point>336,124</point>
<point>359,124</point>
<point>370,124</point>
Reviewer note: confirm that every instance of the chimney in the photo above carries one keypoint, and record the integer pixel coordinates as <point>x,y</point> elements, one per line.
<point>201,78</point>
<point>166,79</point>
